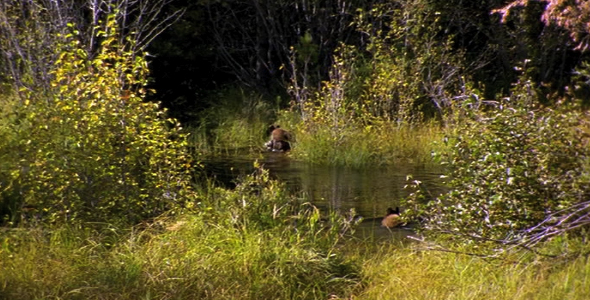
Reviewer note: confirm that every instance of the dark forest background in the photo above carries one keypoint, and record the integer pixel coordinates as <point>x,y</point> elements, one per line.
<point>216,44</point>
<point>199,48</point>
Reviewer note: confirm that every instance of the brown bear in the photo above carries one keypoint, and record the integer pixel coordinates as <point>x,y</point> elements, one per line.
<point>279,139</point>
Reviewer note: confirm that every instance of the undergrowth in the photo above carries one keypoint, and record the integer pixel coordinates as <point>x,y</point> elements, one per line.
<point>253,242</point>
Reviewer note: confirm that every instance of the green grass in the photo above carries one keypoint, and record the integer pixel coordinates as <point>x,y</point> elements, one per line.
<point>404,273</point>
<point>237,121</point>
<point>382,144</point>
<point>187,258</point>
<point>238,130</point>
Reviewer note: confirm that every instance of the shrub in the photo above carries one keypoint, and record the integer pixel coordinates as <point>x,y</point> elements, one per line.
<point>515,176</point>
<point>90,148</point>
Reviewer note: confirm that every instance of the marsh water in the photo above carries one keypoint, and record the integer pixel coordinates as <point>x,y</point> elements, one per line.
<point>369,191</point>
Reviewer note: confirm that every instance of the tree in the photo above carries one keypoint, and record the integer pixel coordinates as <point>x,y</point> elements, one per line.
<point>254,37</point>
<point>572,15</point>
<point>30,31</point>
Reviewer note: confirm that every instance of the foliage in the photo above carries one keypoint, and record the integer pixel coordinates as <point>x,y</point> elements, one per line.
<point>392,80</point>
<point>254,242</point>
<point>573,16</point>
<point>28,40</point>
<point>515,175</point>
<point>410,69</point>
<point>94,150</point>
<point>376,95</point>
<point>404,71</point>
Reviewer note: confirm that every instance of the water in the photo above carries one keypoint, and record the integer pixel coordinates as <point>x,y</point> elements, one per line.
<point>369,191</point>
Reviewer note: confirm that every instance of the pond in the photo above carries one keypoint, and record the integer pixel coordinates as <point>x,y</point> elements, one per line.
<point>369,191</point>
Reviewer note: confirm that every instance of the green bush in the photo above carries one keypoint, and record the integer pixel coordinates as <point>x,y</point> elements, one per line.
<point>90,148</point>
<point>513,172</point>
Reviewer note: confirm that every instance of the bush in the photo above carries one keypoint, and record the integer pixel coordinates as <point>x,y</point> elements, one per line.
<point>515,176</point>
<point>90,148</point>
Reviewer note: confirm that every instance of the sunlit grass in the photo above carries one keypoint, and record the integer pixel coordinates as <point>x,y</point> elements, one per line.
<point>186,258</point>
<point>393,272</point>
<point>382,144</point>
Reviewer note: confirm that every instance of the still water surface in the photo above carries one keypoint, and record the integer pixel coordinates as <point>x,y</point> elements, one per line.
<point>370,191</point>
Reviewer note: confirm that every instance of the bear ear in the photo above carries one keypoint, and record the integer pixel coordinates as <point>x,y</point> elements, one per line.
<point>391,211</point>
<point>270,129</point>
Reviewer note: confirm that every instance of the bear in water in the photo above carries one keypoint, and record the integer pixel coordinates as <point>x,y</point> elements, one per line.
<point>279,139</point>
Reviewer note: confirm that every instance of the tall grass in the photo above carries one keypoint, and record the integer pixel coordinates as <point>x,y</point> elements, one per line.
<point>254,242</point>
<point>393,272</point>
<point>189,258</point>
<point>379,144</point>
<point>235,122</point>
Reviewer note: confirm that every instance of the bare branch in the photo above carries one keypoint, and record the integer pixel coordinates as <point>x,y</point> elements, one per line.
<point>30,31</point>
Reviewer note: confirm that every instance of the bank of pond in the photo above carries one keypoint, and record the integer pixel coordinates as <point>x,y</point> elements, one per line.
<point>281,230</point>
<point>190,257</point>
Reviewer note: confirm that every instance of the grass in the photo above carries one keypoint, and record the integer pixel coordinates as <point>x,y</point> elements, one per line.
<point>187,258</point>
<point>381,144</point>
<point>405,273</point>
<point>238,122</point>
<point>253,242</point>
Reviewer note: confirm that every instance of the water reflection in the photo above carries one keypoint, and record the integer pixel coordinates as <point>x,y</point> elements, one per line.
<point>370,191</point>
